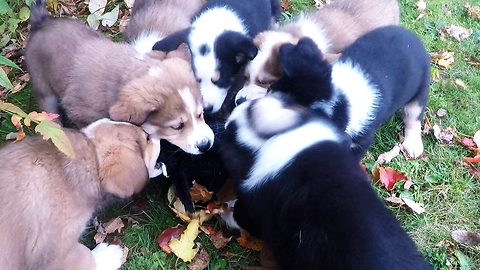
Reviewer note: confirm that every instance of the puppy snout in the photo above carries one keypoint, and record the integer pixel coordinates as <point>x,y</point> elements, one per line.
<point>240,100</point>
<point>204,145</point>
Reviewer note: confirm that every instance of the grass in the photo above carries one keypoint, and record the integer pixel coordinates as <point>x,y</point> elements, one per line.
<point>450,195</point>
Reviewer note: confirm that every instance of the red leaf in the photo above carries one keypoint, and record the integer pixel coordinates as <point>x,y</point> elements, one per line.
<point>468,142</point>
<point>167,235</point>
<point>475,159</point>
<point>285,4</point>
<point>388,177</point>
<point>219,240</point>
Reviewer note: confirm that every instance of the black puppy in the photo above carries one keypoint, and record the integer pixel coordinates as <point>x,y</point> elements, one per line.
<point>301,190</point>
<point>381,72</point>
<point>221,42</point>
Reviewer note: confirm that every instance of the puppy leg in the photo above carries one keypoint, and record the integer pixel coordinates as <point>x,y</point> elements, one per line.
<point>77,257</point>
<point>412,116</point>
<point>107,257</point>
<point>46,99</point>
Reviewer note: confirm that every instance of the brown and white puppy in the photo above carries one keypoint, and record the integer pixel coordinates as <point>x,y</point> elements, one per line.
<point>333,28</point>
<point>153,20</point>
<point>93,78</point>
<point>47,197</point>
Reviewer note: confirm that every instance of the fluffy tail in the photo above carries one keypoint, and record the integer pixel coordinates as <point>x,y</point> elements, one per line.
<point>38,14</point>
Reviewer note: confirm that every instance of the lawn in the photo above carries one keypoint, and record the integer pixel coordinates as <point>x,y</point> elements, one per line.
<point>441,180</point>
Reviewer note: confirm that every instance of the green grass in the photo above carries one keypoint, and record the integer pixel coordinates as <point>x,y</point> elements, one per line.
<point>450,195</point>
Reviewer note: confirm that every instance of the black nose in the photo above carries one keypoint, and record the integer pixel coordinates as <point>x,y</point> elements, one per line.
<point>208,109</point>
<point>240,100</point>
<point>203,146</point>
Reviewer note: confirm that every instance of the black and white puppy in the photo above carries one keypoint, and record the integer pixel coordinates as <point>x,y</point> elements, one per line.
<point>381,72</point>
<point>302,191</point>
<point>221,42</point>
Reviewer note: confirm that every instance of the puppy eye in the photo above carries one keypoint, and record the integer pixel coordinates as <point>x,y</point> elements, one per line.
<point>199,80</point>
<point>179,127</point>
<point>262,82</point>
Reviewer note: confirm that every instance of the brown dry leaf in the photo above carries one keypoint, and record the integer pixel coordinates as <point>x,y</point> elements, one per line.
<point>475,159</point>
<point>200,261</point>
<point>473,60</point>
<point>472,11</point>
<point>200,193</point>
<point>395,200</point>
<point>125,254</point>
<point>445,136</point>
<point>466,237</point>
<point>414,206</point>
<point>443,59</point>
<point>219,240</point>
<point>248,241</point>
<point>167,235</point>
<point>458,32</point>
<point>113,225</point>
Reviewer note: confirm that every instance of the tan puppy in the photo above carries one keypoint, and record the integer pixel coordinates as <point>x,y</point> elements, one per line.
<point>333,27</point>
<point>47,198</point>
<point>94,78</point>
<point>153,20</point>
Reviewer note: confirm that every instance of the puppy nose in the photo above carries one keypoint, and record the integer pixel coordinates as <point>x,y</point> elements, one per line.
<point>240,100</point>
<point>208,109</point>
<point>204,145</point>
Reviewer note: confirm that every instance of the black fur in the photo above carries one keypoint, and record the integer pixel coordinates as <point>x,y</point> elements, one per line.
<point>392,58</point>
<point>319,211</point>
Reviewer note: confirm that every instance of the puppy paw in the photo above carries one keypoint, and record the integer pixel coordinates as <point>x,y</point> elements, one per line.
<point>108,257</point>
<point>413,146</point>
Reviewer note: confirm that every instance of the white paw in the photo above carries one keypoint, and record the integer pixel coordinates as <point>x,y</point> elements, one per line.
<point>108,257</point>
<point>228,216</point>
<point>413,146</point>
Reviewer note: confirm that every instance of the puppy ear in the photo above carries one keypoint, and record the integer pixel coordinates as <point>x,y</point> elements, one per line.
<point>246,50</point>
<point>122,170</point>
<point>172,41</point>
<point>294,58</point>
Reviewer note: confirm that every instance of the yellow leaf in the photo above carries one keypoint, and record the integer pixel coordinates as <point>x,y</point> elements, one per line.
<point>184,248</point>
<point>53,131</point>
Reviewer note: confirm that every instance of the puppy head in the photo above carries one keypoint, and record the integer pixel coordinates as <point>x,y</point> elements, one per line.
<point>265,68</point>
<point>217,64</point>
<point>166,103</point>
<point>307,76</point>
<point>126,156</point>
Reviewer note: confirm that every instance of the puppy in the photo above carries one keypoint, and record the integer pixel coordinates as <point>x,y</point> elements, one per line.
<point>49,198</point>
<point>220,40</point>
<point>94,78</point>
<point>381,72</point>
<point>300,189</point>
<point>333,27</point>
<point>152,20</point>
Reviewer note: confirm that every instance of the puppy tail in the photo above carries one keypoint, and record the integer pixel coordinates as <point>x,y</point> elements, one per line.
<point>38,14</point>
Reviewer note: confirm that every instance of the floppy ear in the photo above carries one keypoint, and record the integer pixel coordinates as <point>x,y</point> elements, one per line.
<point>246,50</point>
<point>172,41</point>
<point>299,59</point>
<point>132,105</point>
<point>122,170</point>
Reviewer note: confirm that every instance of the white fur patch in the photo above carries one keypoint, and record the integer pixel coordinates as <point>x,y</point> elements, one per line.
<point>245,136</point>
<point>363,97</point>
<point>90,129</point>
<point>107,257</point>
<point>145,41</point>
<point>279,151</point>
<point>228,216</point>
<point>205,30</point>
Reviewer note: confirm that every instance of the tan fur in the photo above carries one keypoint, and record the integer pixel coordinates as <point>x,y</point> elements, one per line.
<point>161,18</point>
<point>339,24</point>
<point>91,75</point>
<point>47,198</point>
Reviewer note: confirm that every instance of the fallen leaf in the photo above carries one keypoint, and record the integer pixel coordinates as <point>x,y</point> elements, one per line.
<point>441,112</point>
<point>458,32</point>
<point>185,247</point>
<point>445,136</point>
<point>219,240</point>
<point>468,142</point>
<point>408,184</point>
<point>473,60</point>
<point>167,235</point>
<point>472,11</point>
<point>460,84</point>
<point>247,241</point>
<point>125,254</point>
<point>113,225</point>
<point>466,237</point>
<point>386,157</point>
<point>200,261</point>
<point>395,200</point>
<point>416,207</point>
<point>200,193</point>
<point>443,59</point>
<point>388,177</point>
<point>285,4</point>
<point>421,5</point>
<point>475,159</point>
